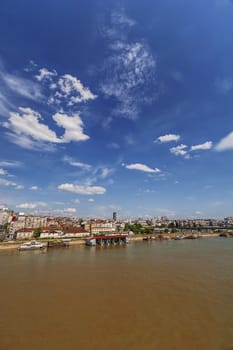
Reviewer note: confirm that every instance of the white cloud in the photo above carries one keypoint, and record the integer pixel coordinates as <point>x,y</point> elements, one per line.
<point>142,167</point>
<point>129,74</point>
<point>69,210</point>
<point>4,182</point>
<point>73,126</point>
<point>180,150</point>
<point>71,88</point>
<point>225,143</point>
<point>120,18</point>
<point>7,183</point>
<point>91,200</point>
<point>81,165</point>
<point>5,105</point>
<point>27,124</point>
<point>31,205</point>
<point>10,164</point>
<point>168,138</point>
<point>2,172</point>
<point>105,172</point>
<point>85,190</point>
<point>44,73</point>
<point>26,206</point>
<point>202,147</point>
<point>21,86</point>
<point>33,188</point>
<point>19,187</point>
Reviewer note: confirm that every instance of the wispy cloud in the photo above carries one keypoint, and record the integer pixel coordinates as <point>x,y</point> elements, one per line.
<point>113,145</point>
<point>129,71</point>
<point>22,86</point>
<point>31,205</point>
<point>224,85</point>
<point>167,138</point>
<point>80,165</point>
<point>15,86</point>
<point>10,164</point>
<point>226,143</point>
<point>142,167</point>
<point>70,210</point>
<point>7,183</point>
<point>84,190</point>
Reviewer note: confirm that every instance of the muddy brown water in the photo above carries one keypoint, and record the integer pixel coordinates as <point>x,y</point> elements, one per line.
<point>148,295</point>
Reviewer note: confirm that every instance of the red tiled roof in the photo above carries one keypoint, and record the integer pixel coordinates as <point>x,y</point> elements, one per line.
<point>76,230</point>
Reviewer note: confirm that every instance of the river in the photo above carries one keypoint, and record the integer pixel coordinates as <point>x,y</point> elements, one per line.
<point>171,295</point>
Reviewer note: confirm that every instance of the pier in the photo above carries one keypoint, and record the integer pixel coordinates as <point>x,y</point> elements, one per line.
<point>106,240</point>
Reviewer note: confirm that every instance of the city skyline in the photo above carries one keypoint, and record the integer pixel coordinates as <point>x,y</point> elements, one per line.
<point>117,108</point>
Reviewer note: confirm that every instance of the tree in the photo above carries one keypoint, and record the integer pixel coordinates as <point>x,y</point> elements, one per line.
<point>37,232</point>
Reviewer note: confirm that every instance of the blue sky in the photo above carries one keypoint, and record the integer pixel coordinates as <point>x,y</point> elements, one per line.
<point>117,106</point>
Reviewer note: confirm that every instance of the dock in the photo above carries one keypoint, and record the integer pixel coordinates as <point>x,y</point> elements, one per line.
<point>107,240</point>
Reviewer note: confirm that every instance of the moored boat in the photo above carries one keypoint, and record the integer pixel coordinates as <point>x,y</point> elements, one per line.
<point>90,242</point>
<point>32,245</point>
<point>179,237</point>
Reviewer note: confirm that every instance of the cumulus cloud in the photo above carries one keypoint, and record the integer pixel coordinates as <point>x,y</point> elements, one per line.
<point>85,189</point>
<point>226,143</point>
<point>27,122</point>
<point>71,90</point>
<point>168,138</point>
<point>142,167</point>
<point>91,200</point>
<point>2,171</point>
<point>73,126</point>
<point>180,150</point>
<point>28,125</point>
<point>44,73</point>
<point>204,146</point>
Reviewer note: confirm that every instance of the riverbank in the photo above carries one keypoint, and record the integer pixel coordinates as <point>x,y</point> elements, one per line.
<point>136,238</point>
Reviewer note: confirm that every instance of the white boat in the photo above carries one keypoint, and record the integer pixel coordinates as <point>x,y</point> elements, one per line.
<point>32,245</point>
<point>179,237</point>
<point>91,242</point>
